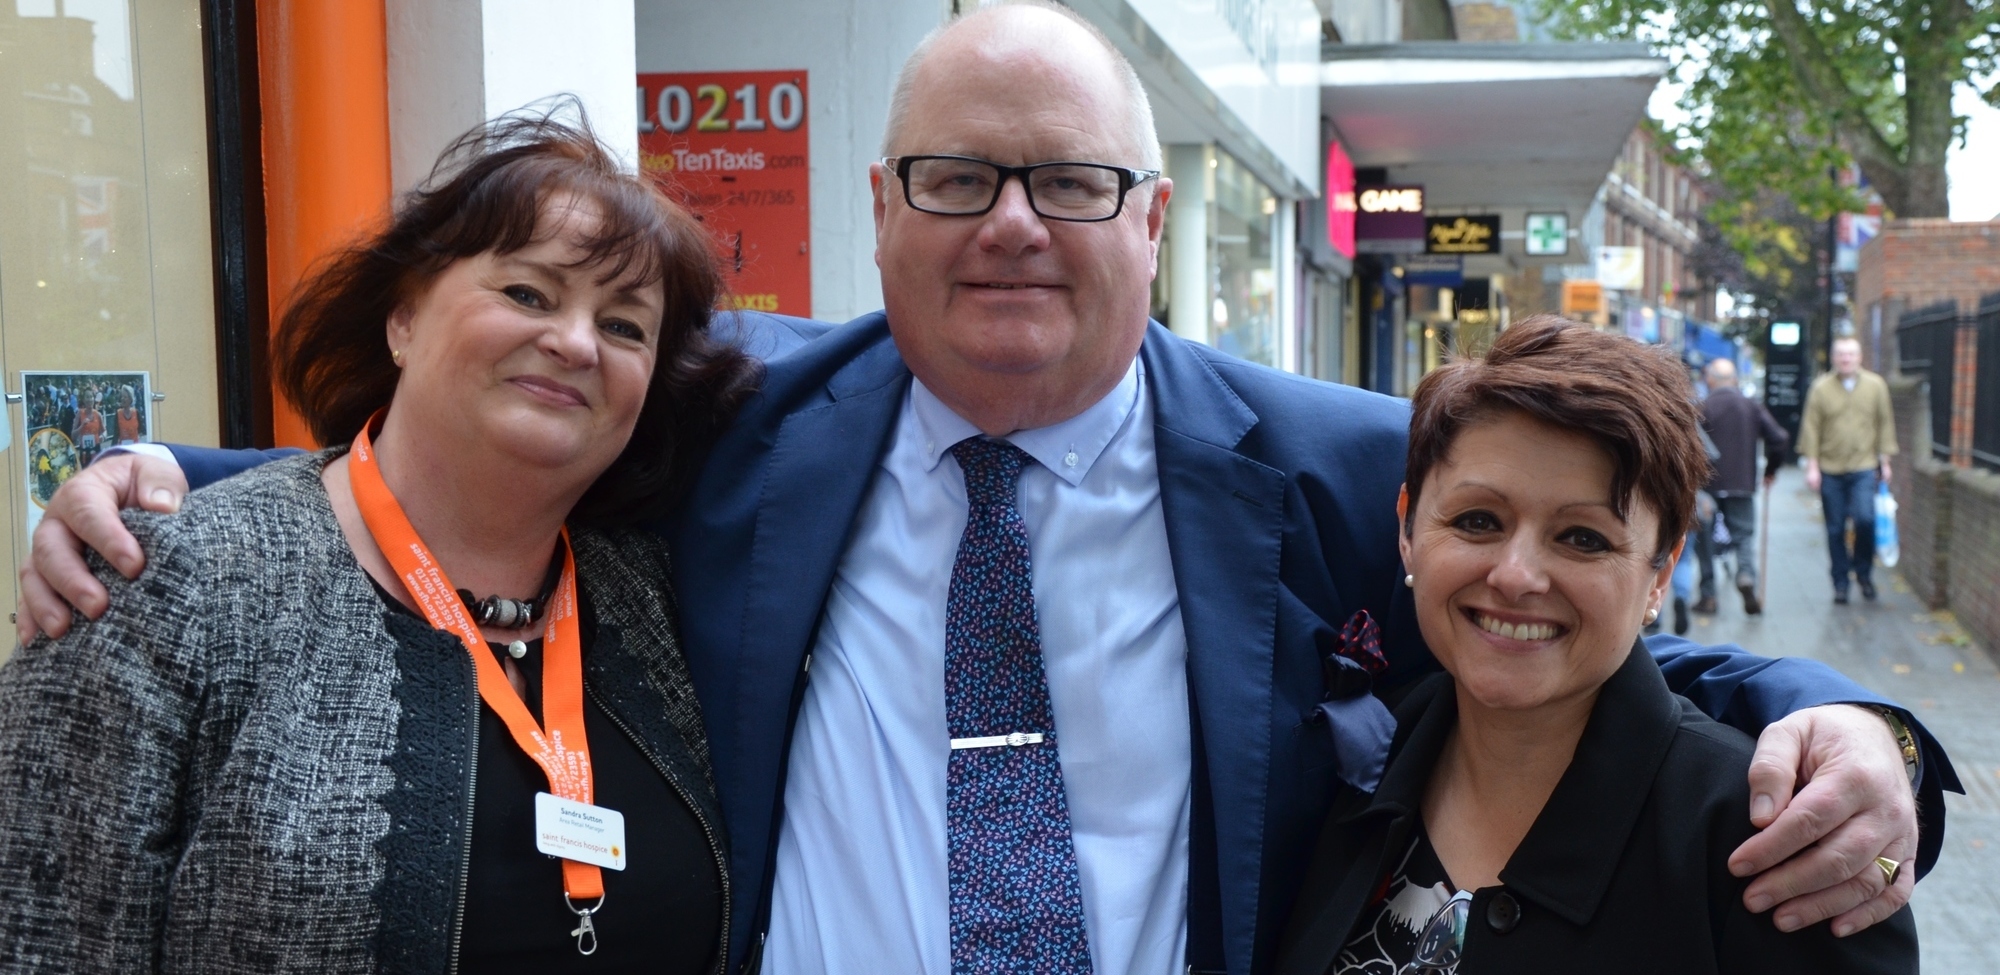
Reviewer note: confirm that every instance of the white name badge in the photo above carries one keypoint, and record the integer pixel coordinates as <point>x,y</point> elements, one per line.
<point>577,831</point>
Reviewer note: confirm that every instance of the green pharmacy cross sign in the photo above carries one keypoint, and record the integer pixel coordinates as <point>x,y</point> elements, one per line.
<point>1547,234</point>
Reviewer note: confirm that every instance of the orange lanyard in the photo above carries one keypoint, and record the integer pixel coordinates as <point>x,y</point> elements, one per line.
<point>562,752</point>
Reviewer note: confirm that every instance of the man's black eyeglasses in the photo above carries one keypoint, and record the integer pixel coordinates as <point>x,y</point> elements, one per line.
<point>961,186</point>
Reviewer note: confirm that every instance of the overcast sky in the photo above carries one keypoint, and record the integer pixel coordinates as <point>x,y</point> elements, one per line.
<point>1974,168</point>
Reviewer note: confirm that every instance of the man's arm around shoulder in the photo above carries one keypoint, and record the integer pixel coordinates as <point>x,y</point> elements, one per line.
<point>1853,789</point>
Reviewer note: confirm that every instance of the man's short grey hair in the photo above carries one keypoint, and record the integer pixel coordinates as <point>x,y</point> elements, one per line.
<point>1140,122</point>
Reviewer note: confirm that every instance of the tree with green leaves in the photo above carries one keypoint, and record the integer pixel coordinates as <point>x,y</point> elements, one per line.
<point>1779,92</point>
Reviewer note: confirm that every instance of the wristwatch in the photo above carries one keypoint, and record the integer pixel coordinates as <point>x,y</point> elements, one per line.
<point>1913,758</point>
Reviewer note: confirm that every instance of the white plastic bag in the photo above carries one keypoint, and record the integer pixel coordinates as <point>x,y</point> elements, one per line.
<point>1887,551</point>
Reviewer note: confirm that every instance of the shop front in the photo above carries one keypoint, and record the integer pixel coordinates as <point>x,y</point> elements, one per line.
<point>107,300</point>
<point>1476,165</point>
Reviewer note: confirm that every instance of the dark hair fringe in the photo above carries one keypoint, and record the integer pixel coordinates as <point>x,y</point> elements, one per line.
<point>1633,399</point>
<point>488,192</point>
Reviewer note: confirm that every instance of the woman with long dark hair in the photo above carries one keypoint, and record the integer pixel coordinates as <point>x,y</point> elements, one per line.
<point>415,701</point>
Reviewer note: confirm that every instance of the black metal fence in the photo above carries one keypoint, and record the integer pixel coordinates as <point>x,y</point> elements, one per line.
<point>1927,344</point>
<point>1986,396</point>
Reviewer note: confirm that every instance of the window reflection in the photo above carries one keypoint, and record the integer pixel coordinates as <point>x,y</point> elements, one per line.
<point>1243,226</point>
<point>76,177</point>
<point>106,272</point>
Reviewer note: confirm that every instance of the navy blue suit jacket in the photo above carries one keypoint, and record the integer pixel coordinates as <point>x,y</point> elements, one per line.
<point>1279,497</point>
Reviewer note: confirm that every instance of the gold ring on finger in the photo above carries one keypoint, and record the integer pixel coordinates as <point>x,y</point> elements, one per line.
<point>1890,870</point>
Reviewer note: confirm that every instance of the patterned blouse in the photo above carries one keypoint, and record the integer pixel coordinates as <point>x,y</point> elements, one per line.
<point>1385,937</point>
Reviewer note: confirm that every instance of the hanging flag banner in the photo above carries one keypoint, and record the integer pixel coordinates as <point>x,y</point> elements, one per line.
<point>732,147</point>
<point>1621,268</point>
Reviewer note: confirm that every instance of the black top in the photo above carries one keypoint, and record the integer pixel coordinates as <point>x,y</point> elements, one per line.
<point>1625,870</point>
<point>661,914</point>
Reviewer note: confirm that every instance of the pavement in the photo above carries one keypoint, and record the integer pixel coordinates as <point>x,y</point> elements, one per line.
<point>1922,659</point>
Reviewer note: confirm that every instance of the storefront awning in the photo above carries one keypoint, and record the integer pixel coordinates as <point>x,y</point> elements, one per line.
<point>1489,125</point>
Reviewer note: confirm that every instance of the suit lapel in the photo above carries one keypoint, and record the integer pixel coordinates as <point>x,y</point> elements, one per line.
<point>1225,520</point>
<point>755,556</point>
<point>821,465</point>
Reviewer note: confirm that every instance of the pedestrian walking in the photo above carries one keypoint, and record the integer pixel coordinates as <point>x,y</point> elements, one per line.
<point>1735,424</point>
<point>1846,439</point>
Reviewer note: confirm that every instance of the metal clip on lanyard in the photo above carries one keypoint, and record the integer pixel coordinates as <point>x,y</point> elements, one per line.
<point>584,928</point>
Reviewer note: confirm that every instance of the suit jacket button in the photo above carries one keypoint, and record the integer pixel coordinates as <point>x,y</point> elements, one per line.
<point>1503,913</point>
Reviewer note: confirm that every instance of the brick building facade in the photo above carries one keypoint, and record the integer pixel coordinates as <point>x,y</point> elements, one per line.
<point>1915,263</point>
<point>1655,205</point>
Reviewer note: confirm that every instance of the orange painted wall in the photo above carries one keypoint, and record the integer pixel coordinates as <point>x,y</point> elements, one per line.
<point>324,80</point>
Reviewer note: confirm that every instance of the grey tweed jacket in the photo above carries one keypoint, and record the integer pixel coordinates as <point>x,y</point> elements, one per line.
<point>248,765</point>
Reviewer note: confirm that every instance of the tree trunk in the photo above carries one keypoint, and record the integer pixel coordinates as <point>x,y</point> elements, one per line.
<point>1929,50</point>
<point>1909,177</point>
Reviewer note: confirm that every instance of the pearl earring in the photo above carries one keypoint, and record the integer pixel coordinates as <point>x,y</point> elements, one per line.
<point>1651,615</point>
<point>1410,582</point>
<point>396,356</point>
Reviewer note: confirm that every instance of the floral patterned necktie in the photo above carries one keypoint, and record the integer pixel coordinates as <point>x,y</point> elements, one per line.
<point>1016,902</point>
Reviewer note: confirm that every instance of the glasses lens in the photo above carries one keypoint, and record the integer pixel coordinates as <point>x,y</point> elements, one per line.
<point>1076,192</point>
<point>1443,939</point>
<point>952,185</point>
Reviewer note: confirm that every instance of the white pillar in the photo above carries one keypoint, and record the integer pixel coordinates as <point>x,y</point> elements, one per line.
<point>1285,251</point>
<point>1190,293</point>
<point>539,48</point>
<point>456,63</point>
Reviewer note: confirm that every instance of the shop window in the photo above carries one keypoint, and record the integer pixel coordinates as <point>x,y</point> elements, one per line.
<point>107,325</point>
<point>1243,230</point>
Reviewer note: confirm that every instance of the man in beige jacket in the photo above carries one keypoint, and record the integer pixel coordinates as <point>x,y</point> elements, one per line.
<point>1846,439</point>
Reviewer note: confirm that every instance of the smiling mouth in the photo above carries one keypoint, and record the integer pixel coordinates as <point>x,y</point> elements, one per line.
<point>1527,632</point>
<point>550,390</point>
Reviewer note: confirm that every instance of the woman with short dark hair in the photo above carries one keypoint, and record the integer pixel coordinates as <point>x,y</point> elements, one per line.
<point>414,702</point>
<point>1549,805</point>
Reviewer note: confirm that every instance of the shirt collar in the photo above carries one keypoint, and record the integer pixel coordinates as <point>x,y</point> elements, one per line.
<point>1567,861</point>
<point>1067,449</point>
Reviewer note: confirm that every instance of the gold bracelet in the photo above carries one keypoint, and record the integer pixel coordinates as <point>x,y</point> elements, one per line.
<point>1905,740</point>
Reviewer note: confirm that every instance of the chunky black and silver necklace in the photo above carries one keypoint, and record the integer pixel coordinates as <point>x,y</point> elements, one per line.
<point>502,613</point>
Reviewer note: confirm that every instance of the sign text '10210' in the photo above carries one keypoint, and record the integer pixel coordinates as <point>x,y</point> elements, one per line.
<point>673,108</point>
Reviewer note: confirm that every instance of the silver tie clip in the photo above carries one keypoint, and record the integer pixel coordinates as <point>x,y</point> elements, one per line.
<point>1015,740</point>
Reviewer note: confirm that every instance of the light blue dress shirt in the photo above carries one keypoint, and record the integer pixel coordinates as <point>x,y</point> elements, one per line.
<point>861,881</point>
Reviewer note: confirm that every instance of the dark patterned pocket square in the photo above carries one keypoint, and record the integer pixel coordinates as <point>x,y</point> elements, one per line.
<point>1360,723</point>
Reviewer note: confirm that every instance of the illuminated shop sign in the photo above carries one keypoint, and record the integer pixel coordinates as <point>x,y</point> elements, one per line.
<point>1389,219</point>
<point>1392,199</point>
<point>1339,200</point>
<point>1478,234</point>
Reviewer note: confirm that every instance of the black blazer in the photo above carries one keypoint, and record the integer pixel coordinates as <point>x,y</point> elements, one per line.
<point>1625,870</point>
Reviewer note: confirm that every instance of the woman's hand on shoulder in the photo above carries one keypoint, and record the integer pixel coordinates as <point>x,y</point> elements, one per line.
<point>1815,854</point>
